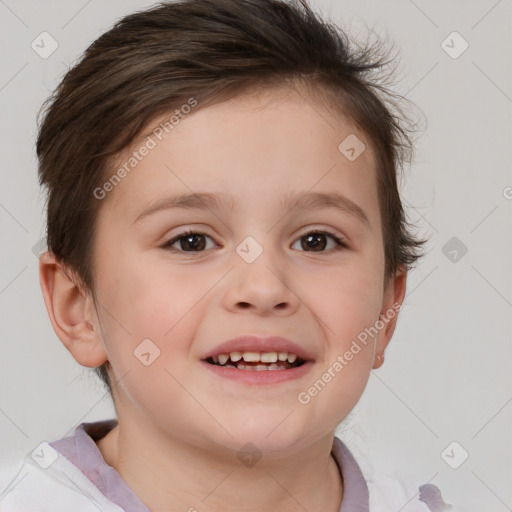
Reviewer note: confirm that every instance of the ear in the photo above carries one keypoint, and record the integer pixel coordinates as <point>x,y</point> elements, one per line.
<point>71,311</point>
<point>394,294</point>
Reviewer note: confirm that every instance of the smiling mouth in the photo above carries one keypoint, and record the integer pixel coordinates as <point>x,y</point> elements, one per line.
<point>257,361</point>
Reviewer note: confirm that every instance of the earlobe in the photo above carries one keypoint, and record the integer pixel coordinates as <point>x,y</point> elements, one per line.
<point>392,303</point>
<point>69,311</point>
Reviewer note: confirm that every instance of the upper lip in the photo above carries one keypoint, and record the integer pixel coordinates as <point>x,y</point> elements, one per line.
<point>254,343</point>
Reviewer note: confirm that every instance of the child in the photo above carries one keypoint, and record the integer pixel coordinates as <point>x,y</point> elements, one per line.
<point>228,248</point>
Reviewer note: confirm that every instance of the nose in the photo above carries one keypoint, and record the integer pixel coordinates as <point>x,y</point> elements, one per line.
<point>262,287</point>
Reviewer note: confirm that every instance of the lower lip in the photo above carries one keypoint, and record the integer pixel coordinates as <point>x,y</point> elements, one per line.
<point>260,377</point>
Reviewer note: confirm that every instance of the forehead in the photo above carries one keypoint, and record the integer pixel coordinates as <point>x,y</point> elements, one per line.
<point>259,146</point>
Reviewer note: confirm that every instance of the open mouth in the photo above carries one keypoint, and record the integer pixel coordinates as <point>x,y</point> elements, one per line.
<point>257,361</point>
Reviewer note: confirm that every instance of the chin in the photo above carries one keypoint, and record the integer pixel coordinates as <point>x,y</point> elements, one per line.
<point>269,434</point>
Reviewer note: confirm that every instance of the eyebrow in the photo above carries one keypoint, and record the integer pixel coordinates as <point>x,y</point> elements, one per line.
<point>221,201</point>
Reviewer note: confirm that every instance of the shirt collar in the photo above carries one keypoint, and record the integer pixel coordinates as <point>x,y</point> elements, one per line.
<point>80,449</point>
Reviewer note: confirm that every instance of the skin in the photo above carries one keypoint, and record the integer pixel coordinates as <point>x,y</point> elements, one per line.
<point>180,426</point>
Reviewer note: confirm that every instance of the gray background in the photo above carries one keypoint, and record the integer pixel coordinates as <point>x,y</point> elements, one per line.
<point>447,374</point>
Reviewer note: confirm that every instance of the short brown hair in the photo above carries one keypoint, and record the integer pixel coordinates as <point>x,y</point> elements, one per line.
<point>151,62</point>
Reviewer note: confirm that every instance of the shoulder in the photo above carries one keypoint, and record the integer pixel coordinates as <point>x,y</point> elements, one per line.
<point>46,481</point>
<point>371,487</point>
<point>391,491</point>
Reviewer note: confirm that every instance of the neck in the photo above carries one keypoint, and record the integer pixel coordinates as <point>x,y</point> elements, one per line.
<point>172,474</point>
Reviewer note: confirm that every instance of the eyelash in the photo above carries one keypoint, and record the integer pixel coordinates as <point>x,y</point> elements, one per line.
<point>340,244</point>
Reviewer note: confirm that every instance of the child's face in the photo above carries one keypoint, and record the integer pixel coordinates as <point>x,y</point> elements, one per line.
<point>258,151</point>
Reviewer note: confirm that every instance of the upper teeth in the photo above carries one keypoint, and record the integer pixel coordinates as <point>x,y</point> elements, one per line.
<point>254,357</point>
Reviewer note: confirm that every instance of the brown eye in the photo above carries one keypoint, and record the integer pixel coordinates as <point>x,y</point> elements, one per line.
<point>189,241</point>
<point>316,241</point>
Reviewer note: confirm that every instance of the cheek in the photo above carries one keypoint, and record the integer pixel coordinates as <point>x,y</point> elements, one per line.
<point>148,329</point>
<point>149,297</point>
<point>156,302</point>
<point>348,303</point>
<point>347,300</point>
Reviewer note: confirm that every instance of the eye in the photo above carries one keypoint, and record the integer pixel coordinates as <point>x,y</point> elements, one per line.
<point>193,241</point>
<point>189,241</point>
<point>315,240</point>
